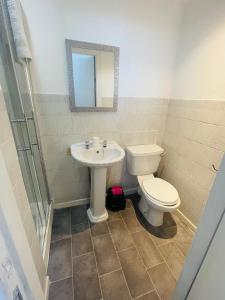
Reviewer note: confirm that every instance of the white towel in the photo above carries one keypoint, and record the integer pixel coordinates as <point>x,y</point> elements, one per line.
<point>16,19</point>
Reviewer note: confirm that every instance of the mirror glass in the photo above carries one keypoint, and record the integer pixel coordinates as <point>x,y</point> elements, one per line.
<point>93,76</point>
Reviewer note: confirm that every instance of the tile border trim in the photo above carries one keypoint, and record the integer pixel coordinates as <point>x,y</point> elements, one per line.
<point>186,220</point>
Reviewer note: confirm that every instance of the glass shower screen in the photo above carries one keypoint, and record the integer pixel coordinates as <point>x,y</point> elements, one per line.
<point>17,93</point>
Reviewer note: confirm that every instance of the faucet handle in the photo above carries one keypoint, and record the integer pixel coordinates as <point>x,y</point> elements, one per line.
<point>105,143</point>
<point>87,144</point>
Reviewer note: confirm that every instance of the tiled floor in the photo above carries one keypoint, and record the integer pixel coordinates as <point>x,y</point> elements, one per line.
<point>113,260</point>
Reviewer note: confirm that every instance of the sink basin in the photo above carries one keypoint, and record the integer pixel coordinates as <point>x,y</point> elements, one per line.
<point>97,157</point>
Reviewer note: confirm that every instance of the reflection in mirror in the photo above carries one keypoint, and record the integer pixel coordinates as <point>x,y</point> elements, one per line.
<point>93,76</point>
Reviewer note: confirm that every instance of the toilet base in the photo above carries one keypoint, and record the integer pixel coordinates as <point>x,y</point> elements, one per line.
<point>155,217</point>
<point>142,205</point>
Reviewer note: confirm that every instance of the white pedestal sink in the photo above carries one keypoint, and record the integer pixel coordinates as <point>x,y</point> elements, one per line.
<point>98,159</point>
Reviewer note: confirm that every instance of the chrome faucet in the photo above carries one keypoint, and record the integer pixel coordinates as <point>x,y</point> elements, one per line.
<point>87,144</point>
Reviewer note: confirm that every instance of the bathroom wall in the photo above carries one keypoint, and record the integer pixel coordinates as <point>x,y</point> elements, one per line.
<point>138,121</point>
<point>146,32</point>
<point>10,160</point>
<point>195,133</point>
<point>168,50</point>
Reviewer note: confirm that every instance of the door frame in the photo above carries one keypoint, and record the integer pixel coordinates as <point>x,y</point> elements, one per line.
<point>12,229</point>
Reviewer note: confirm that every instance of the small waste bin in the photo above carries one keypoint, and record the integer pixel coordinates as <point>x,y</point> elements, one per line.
<point>115,199</point>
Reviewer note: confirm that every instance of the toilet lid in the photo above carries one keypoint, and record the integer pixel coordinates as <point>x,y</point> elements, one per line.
<point>161,190</point>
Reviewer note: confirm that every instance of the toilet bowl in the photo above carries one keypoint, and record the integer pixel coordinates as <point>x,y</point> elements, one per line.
<point>157,195</point>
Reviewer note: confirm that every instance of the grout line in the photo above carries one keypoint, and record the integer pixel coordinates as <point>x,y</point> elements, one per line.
<point>89,252</point>
<point>119,262</point>
<point>102,275</point>
<point>112,221</point>
<point>61,279</point>
<point>154,290</point>
<point>61,239</point>
<point>95,236</point>
<point>96,262</point>
<point>153,266</point>
<point>119,251</point>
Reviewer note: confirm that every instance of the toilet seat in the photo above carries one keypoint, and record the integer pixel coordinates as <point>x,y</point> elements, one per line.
<point>160,191</point>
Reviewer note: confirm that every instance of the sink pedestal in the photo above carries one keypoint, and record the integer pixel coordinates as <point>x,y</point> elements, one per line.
<point>97,211</point>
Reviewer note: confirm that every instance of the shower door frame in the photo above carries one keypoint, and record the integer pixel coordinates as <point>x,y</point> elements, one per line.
<point>47,215</point>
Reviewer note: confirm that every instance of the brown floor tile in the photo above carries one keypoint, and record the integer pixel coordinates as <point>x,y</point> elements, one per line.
<point>61,290</point>
<point>128,212</point>
<point>85,263</point>
<point>86,286</point>
<point>61,224</point>
<point>78,228</point>
<point>120,235</point>
<point>163,281</point>
<point>150,296</point>
<point>129,203</point>
<point>135,273</point>
<point>99,228</point>
<point>184,236</point>
<point>106,257</point>
<point>174,258</point>
<point>184,245</point>
<point>81,243</point>
<point>148,251</point>
<point>114,286</point>
<point>79,214</point>
<point>85,278</point>
<point>131,221</point>
<point>113,215</point>
<point>59,266</point>
<point>159,241</point>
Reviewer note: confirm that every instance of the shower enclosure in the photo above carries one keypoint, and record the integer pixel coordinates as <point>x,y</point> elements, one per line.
<point>16,84</point>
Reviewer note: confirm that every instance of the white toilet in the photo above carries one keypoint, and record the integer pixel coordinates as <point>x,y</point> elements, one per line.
<point>157,195</point>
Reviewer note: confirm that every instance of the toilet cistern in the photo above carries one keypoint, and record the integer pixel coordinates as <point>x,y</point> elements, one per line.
<point>98,156</point>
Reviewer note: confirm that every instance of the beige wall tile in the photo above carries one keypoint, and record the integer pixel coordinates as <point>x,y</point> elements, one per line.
<point>194,139</point>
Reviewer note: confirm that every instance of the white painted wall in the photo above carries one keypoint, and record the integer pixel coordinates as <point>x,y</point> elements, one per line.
<point>200,64</point>
<point>146,32</point>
